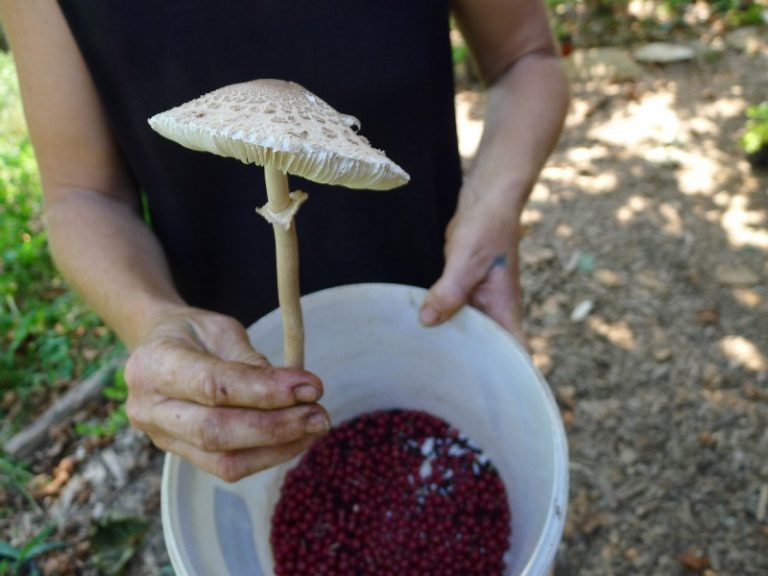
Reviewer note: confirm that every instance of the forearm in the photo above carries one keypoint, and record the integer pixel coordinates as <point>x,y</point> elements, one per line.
<point>108,255</point>
<point>525,112</point>
<point>526,107</point>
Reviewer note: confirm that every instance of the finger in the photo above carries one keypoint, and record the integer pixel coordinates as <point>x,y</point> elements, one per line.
<point>174,369</point>
<point>226,429</point>
<point>500,297</point>
<point>464,270</point>
<point>234,465</point>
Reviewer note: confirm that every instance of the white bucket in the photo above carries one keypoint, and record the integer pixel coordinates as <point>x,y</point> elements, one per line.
<point>366,343</point>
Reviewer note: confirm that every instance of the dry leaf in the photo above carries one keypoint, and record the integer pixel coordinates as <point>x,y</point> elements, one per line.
<point>694,560</point>
<point>593,522</point>
<point>536,257</point>
<point>707,439</point>
<point>61,476</point>
<point>608,278</point>
<point>566,394</point>
<point>649,279</point>
<point>707,316</point>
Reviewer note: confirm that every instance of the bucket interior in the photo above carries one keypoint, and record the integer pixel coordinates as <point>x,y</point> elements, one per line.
<point>367,345</point>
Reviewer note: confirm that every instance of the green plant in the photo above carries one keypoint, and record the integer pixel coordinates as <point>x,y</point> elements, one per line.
<point>115,540</point>
<point>20,560</point>
<point>48,336</point>
<point>755,136</point>
<point>14,476</point>
<point>117,391</point>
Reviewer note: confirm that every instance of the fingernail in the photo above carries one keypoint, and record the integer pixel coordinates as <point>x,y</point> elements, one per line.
<point>428,315</point>
<point>316,423</point>
<point>306,393</point>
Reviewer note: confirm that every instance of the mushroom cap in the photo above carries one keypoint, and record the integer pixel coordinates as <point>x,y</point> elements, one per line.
<point>281,124</point>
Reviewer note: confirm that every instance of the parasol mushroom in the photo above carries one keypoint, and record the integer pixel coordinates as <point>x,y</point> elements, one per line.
<point>288,130</point>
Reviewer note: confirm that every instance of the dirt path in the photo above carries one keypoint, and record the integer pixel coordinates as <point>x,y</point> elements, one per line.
<point>647,301</point>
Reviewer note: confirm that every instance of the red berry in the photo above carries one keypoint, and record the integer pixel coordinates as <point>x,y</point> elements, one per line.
<point>391,493</point>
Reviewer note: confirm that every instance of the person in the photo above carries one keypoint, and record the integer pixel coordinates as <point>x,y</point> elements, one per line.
<point>178,287</point>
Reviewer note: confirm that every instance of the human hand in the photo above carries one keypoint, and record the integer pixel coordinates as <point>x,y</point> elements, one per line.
<point>481,269</point>
<point>198,389</point>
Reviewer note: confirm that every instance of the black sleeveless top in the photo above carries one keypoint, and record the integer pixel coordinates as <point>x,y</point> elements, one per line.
<point>386,63</point>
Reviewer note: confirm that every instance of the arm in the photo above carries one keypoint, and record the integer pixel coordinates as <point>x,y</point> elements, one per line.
<point>195,384</point>
<point>527,100</point>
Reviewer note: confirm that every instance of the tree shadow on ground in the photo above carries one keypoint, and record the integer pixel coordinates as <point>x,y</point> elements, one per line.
<point>644,269</point>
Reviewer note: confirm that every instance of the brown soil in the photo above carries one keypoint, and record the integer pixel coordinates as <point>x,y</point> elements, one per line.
<point>650,215</point>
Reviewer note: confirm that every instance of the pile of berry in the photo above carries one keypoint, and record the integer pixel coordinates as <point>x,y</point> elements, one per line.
<point>391,493</point>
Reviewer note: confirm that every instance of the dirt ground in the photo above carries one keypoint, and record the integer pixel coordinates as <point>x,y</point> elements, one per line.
<point>644,269</point>
<point>645,276</point>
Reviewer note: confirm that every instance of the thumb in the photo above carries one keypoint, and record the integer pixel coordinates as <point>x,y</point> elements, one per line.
<point>226,338</point>
<point>452,291</point>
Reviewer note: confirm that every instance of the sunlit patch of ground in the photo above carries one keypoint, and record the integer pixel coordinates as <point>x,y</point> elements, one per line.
<point>645,269</point>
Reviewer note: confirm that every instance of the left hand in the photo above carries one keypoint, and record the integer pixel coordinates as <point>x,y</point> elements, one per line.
<point>482,268</point>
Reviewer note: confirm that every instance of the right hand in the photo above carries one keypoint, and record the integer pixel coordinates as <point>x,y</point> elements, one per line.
<point>198,389</point>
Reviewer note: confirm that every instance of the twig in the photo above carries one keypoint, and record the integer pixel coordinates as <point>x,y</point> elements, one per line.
<point>29,439</point>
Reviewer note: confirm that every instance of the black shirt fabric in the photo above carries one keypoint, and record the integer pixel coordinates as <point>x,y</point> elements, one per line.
<point>386,63</point>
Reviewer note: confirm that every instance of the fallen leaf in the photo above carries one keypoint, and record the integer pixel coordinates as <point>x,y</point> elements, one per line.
<point>608,278</point>
<point>707,439</point>
<point>536,257</point>
<point>9,399</point>
<point>61,476</point>
<point>694,560</point>
<point>594,522</point>
<point>649,279</point>
<point>566,394</point>
<point>707,316</point>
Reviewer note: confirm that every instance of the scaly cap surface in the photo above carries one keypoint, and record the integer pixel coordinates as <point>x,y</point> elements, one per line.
<point>279,123</point>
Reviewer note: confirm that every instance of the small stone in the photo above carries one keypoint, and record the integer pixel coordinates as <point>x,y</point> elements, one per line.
<point>663,53</point>
<point>612,64</point>
<point>662,354</point>
<point>627,456</point>
<point>729,275</point>
<point>582,310</point>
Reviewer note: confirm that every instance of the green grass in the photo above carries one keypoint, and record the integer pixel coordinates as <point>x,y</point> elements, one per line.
<point>48,337</point>
<point>19,560</point>
<point>117,419</point>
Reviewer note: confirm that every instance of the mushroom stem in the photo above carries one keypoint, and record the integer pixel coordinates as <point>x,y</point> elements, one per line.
<point>287,256</point>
